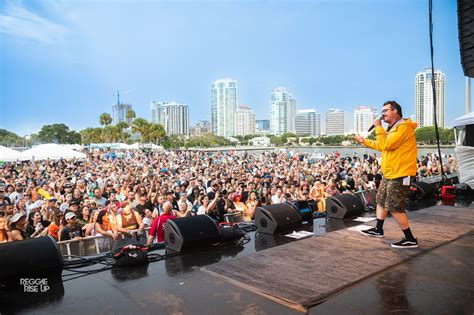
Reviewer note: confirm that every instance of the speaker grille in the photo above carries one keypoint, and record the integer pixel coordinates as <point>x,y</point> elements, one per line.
<point>466,35</point>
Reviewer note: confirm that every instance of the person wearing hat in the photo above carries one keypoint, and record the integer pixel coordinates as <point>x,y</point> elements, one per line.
<point>17,228</point>
<point>71,231</point>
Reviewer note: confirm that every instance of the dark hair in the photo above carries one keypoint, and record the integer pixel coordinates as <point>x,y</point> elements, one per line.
<point>102,213</point>
<point>394,105</point>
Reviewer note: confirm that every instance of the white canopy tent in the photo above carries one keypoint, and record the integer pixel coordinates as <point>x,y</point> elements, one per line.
<point>464,152</point>
<point>76,147</point>
<point>465,120</point>
<point>50,151</point>
<point>8,155</point>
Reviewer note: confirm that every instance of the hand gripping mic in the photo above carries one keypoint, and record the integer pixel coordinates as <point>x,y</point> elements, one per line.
<point>373,126</point>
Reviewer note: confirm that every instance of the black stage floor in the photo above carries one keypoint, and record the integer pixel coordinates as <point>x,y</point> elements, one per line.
<point>438,281</point>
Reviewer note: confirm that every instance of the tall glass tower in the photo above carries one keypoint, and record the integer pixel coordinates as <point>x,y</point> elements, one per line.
<point>424,98</point>
<point>224,100</point>
<point>283,111</point>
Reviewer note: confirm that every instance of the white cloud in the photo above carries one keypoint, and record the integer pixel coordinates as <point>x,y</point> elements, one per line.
<point>17,21</point>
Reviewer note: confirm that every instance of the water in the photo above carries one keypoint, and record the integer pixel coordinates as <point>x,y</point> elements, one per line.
<point>351,150</point>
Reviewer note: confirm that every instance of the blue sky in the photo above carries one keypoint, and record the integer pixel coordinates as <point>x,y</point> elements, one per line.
<point>62,61</point>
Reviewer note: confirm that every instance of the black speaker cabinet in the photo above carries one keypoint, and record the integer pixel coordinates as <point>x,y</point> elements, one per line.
<point>36,256</point>
<point>466,35</point>
<point>191,232</point>
<point>277,218</point>
<point>343,206</point>
<point>423,190</point>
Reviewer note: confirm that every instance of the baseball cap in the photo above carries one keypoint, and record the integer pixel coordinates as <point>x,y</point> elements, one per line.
<point>16,217</point>
<point>69,215</point>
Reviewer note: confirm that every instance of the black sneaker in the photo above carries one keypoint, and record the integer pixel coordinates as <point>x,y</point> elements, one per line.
<point>404,243</point>
<point>372,232</point>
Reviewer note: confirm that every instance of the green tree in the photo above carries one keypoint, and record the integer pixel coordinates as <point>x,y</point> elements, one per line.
<point>105,119</point>
<point>8,139</point>
<point>141,126</point>
<point>173,142</point>
<point>57,133</point>
<point>130,115</point>
<point>91,135</point>
<point>156,133</point>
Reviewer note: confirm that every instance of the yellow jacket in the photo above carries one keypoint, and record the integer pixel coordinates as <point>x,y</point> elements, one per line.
<point>398,147</point>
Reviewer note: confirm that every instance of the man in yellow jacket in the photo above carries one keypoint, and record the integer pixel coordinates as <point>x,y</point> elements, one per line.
<point>399,159</point>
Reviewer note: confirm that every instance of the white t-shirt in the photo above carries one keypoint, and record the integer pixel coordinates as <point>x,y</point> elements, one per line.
<point>201,210</point>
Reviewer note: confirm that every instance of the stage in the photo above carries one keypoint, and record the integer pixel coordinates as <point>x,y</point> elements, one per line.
<point>328,273</point>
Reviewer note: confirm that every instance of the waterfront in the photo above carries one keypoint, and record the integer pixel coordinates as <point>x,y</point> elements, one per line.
<point>422,151</point>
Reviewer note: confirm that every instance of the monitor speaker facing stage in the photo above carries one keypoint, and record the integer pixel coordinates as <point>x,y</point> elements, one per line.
<point>343,206</point>
<point>277,218</point>
<point>33,257</point>
<point>191,232</point>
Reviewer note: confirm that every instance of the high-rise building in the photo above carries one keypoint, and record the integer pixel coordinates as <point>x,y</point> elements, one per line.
<point>363,118</point>
<point>245,121</point>
<point>308,122</point>
<point>424,98</point>
<point>119,113</point>
<point>172,116</point>
<point>262,125</point>
<point>336,121</point>
<point>224,100</point>
<point>200,128</point>
<point>283,110</point>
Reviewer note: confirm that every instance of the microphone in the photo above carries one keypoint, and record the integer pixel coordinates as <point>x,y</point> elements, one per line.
<point>373,126</point>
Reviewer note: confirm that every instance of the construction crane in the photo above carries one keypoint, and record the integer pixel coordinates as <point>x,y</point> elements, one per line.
<point>118,95</point>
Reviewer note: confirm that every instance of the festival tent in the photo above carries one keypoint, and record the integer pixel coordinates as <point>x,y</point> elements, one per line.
<point>50,151</point>
<point>76,147</point>
<point>8,155</point>
<point>135,146</point>
<point>150,146</point>
<point>463,129</point>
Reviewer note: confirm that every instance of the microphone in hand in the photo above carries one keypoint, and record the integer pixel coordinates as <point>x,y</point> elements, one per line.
<point>373,125</point>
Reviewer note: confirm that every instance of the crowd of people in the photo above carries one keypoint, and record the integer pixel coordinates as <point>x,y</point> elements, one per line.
<point>114,194</point>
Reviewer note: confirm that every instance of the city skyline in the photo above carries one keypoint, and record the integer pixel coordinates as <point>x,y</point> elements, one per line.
<point>64,61</point>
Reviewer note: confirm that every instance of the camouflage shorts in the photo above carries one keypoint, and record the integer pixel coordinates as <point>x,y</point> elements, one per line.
<point>392,194</point>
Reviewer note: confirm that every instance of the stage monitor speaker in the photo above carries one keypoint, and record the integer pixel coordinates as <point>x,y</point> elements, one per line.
<point>343,206</point>
<point>462,189</point>
<point>191,232</point>
<point>36,256</point>
<point>423,190</point>
<point>277,218</point>
<point>466,35</point>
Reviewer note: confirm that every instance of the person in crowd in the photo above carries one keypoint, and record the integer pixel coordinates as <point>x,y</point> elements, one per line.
<point>157,230</point>
<point>251,205</point>
<point>104,227</point>
<point>17,228</point>
<point>129,220</point>
<point>207,206</point>
<point>72,230</point>
<point>3,230</point>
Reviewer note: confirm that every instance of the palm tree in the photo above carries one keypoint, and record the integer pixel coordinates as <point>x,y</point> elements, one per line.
<point>156,133</point>
<point>130,115</point>
<point>105,119</point>
<point>141,126</point>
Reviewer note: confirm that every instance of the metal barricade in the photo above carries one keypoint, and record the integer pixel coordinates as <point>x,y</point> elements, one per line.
<point>92,245</point>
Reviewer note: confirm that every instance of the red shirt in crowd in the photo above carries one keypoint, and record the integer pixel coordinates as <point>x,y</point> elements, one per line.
<point>158,227</point>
